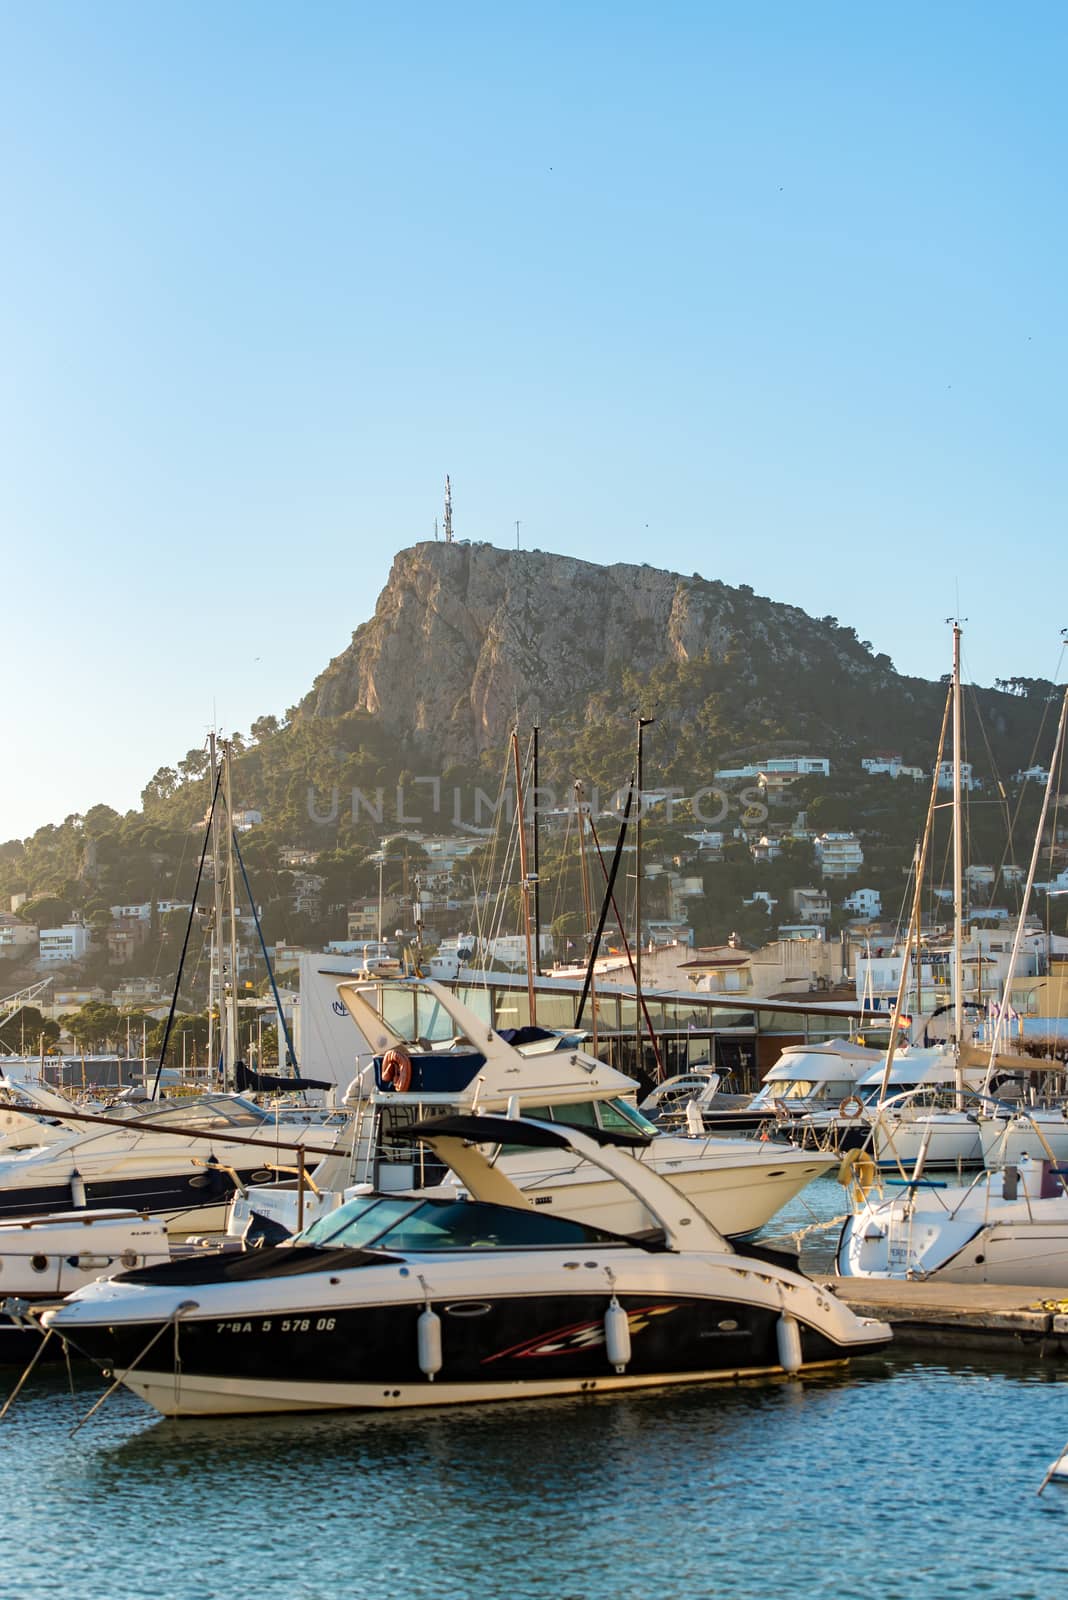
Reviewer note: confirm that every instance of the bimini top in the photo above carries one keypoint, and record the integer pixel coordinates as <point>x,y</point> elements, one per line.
<point>521,1131</point>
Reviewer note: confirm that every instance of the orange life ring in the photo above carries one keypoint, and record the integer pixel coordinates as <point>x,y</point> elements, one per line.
<point>851,1107</point>
<point>397,1070</point>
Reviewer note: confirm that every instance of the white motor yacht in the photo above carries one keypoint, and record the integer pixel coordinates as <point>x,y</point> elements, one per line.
<point>157,1161</point>
<point>809,1082</point>
<point>428,1054</point>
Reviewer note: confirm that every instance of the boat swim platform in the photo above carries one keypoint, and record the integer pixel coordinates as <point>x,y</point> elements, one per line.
<point>962,1316</point>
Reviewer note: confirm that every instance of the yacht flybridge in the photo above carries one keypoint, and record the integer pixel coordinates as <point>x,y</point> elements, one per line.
<point>409,1300</point>
<point>427,1053</point>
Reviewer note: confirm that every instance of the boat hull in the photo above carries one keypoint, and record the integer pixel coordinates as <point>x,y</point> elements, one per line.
<point>1006,1141</point>
<point>950,1240</point>
<point>948,1142</point>
<point>277,1331</point>
<point>204,1397</point>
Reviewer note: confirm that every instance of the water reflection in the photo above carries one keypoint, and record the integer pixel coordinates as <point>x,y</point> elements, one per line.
<point>890,1477</point>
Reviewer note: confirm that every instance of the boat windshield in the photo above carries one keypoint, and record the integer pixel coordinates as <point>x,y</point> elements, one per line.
<point>418,1225</point>
<point>786,1089</point>
<point>206,1111</point>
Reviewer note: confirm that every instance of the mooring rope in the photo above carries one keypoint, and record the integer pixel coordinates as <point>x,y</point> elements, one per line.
<point>172,1321</point>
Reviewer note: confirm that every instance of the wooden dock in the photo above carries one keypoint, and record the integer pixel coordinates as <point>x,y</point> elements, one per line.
<point>963,1316</point>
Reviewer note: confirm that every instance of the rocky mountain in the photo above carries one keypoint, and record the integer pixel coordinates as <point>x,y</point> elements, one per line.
<point>465,639</point>
<point>464,635</point>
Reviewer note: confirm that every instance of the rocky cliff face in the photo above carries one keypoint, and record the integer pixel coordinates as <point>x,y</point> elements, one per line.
<point>464,634</point>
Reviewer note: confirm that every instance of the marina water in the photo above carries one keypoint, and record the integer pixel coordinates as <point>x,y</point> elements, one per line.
<point>894,1479</point>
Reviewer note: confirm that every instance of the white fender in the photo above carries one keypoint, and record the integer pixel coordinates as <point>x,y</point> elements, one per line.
<point>429,1336</point>
<point>617,1335</point>
<point>788,1337</point>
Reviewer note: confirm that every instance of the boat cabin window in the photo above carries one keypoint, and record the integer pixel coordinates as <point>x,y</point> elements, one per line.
<point>616,1116</point>
<point>417,1017</point>
<point>785,1089</point>
<point>448,1225</point>
<point>580,1115</point>
<point>619,1116</point>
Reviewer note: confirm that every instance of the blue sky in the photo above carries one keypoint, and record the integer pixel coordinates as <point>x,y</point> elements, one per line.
<point>769,292</point>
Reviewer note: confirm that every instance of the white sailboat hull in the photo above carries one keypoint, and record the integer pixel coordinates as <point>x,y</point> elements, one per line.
<point>958,1235</point>
<point>951,1139</point>
<point>1006,1140</point>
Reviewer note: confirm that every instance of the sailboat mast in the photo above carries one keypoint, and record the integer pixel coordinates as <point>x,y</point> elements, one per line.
<point>524,875</point>
<point>215,978</point>
<point>534,831</point>
<point>918,889</point>
<point>639,769</point>
<point>587,905</point>
<point>231,1007</point>
<point>958,849</point>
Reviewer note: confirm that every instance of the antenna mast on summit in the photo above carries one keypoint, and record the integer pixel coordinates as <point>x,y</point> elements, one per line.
<point>448,510</point>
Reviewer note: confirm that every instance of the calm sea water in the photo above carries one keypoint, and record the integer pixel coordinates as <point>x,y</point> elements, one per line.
<point>899,1480</point>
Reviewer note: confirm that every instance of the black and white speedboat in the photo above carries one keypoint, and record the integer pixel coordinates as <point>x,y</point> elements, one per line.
<point>408,1300</point>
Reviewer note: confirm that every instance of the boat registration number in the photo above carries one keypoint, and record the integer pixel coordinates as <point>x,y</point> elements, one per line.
<point>282,1324</point>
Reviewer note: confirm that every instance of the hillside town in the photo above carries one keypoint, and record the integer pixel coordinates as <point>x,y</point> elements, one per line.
<point>764,903</point>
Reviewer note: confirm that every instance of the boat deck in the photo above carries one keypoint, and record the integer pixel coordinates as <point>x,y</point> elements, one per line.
<point>962,1316</point>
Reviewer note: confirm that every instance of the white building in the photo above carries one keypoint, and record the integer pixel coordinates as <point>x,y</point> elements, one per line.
<point>292,855</point>
<point>811,905</point>
<point>510,949</point>
<point>839,854</point>
<point>142,912</point>
<point>68,943</point>
<point>139,992</point>
<point>866,903</point>
<point>244,820</point>
<point>883,761</point>
<point>707,839</point>
<point>945,775</point>
<point>797,766</point>
<point>761,897</point>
